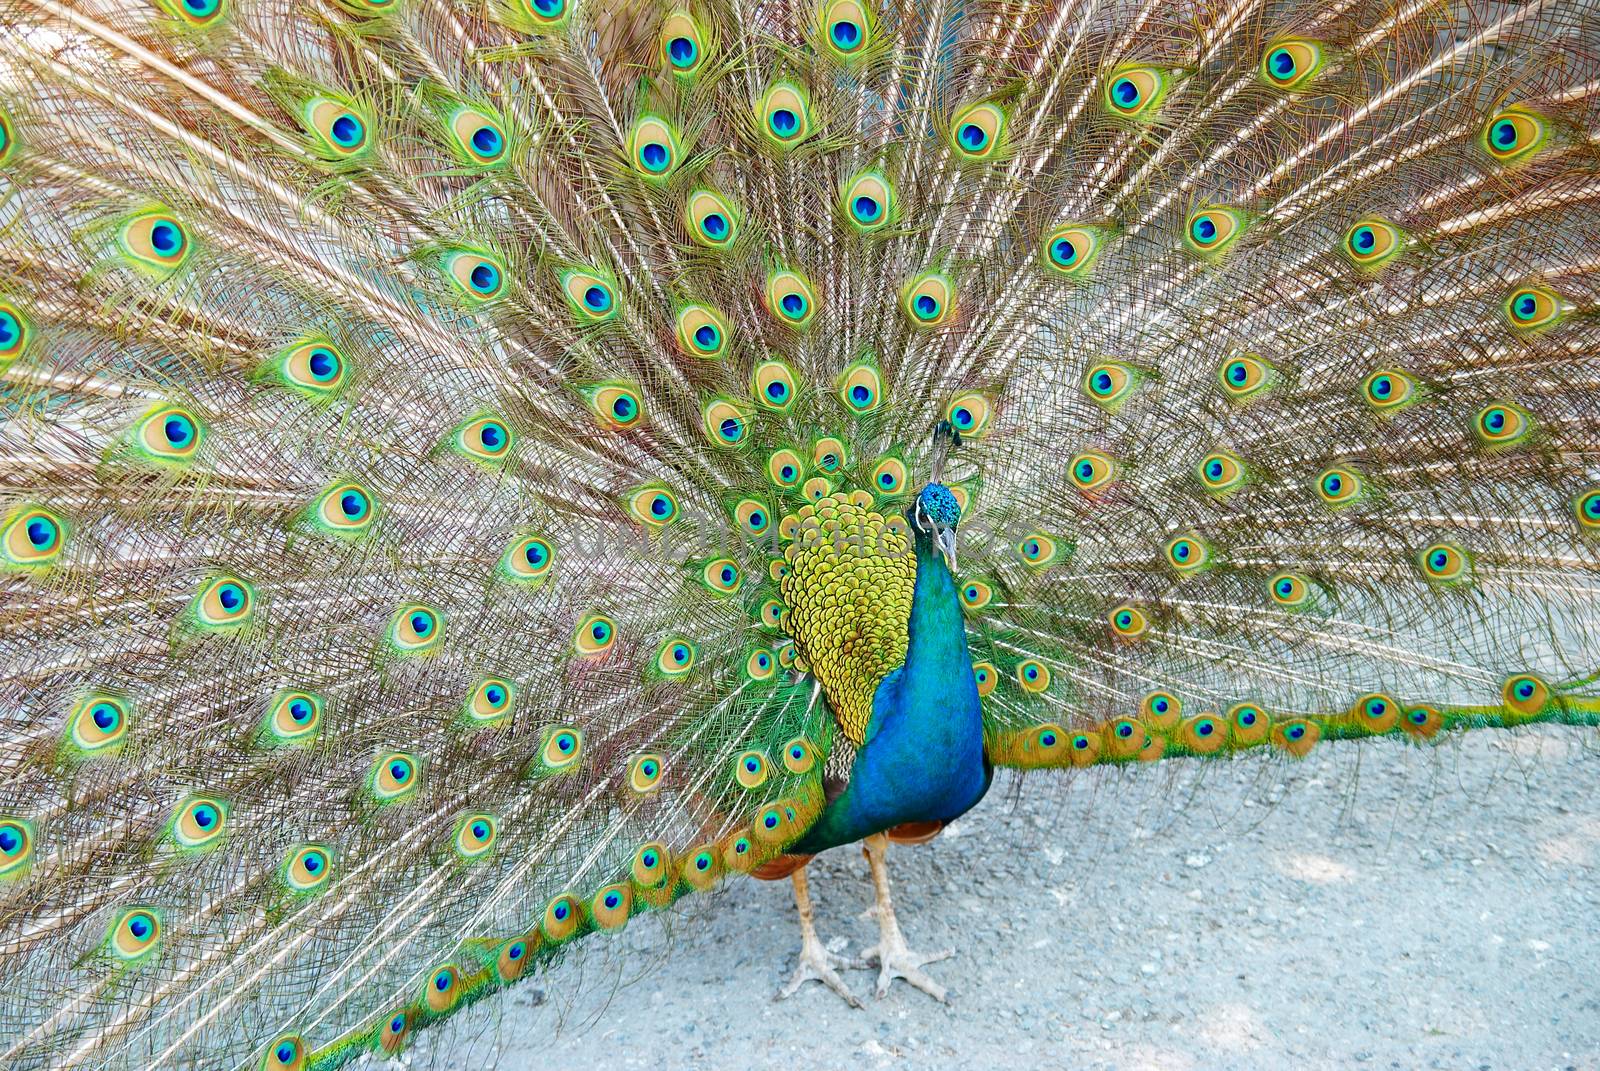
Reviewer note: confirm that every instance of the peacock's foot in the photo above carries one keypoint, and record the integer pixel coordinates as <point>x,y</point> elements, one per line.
<point>816,962</point>
<point>895,959</point>
<point>820,965</point>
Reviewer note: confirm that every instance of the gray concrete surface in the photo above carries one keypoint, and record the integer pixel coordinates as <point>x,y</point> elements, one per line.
<point>1375,906</point>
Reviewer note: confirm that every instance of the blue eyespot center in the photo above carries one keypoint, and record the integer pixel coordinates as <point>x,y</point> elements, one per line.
<point>784,122</point>
<point>166,238</point>
<point>705,336</point>
<point>1063,252</point>
<point>1282,64</point>
<point>793,304</point>
<point>346,130</point>
<point>845,34</point>
<point>654,156</point>
<point>1364,239</point>
<point>597,298</point>
<point>866,208</point>
<point>484,278</point>
<point>487,140</point>
<point>715,225</point>
<point>682,51</point>
<point>1204,229</point>
<point>1125,92</point>
<point>178,430</point>
<point>324,365</point>
<point>973,137</point>
<point>231,596</point>
<point>1504,134</point>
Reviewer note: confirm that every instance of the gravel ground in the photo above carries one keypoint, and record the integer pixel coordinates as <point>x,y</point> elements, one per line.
<point>1377,906</point>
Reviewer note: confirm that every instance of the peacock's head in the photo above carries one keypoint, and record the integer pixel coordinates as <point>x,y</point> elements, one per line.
<point>936,512</point>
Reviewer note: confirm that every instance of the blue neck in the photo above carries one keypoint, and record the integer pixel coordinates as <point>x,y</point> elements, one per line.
<point>923,755</point>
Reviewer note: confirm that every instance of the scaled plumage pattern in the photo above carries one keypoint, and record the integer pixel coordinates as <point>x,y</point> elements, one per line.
<point>475,470</point>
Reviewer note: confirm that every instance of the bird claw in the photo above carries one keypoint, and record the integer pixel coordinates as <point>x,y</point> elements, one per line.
<point>818,964</point>
<point>896,960</point>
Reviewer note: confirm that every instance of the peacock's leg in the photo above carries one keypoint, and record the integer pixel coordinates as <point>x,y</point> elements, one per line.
<point>816,962</point>
<point>894,958</point>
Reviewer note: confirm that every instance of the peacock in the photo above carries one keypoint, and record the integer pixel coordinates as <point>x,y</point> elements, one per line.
<point>475,471</point>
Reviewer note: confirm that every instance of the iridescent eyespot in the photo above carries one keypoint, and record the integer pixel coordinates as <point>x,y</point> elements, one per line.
<point>773,385</point>
<point>799,756</point>
<point>1371,243</point>
<point>415,629</point>
<point>702,332</point>
<point>784,468</point>
<point>752,517</point>
<point>1033,675</point>
<point>442,989</point>
<point>784,114</point>
<point>514,957</point>
<point>98,724</point>
<point>701,868</point>
<point>543,14</point>
<point>592,296</point>
<point>32,537</point>
<point>314,367</point>
<point>1388,389</point>
<point>196,13</point>
<point>617,405</point>
<point>340,130</point>
<point>860,388</point>
<point>683,47</point>
<point>1248,724</point>
<point>16,846</point>
<point>1289,590</point>
<point>1210,231</point>
<point>345,509</point>
<point>1203,734</point>
<point>1339,486</point>
<point>760,665</point>
<point>475,836</point>
<point>969,414</point>
<point>223,602</point>
<point>485,438</point>
<point>133,934</point>
<point>1091,470</point>
<point>307,867</point>
<point>928,300</point>
<point>1220,472</point>
<point>562,748</point>
<point>294,718</point>
<point>771,612</point>
<point>1444,562</point>
<point>1071,250</point>
<point>975,594</point>
<point>169,434</point>
<point>1525,694</point>
<point>653,506</point>
<point>1109,383</point>
<point>1422,722</point>
<point>287,1052</point>
<point>1246,376</point>
<point>611,906</point>
<point>1376,712</point>
<point>1136,91</point>
<point>712,220</point>
<point>888,476</point>
<point>476,274</point>
<point>527,559</point>
<point>395,1031</point>
<point>394,777</point>
<point>594,635</point>
<point>1586,507</point>
<point>985,676</point>
<point>1161,710</point>
<point>867,202</point>
<point>828,454</point>
<point>721,575</point>
<point>653,148</point>
<point>751,770</point>
<point>676,657</point>
<point>977,132</point>
<point>16,330</point>
<point>198,824</point>
<point>478,138</point>
<point>8,139</point>
<point>1129,622</point>
<point>644,773</point>
<point>649,868</point>
<point>1188,553</point>
<point>1290,64</point>
<point>846,29</point>
<point>1501,425</point>
<point>490,700</point>
<point>154,241</point>
<point>725,422</point>
<point>1514,135</point>
<point>1037,549</point>
<point>1533,308</point>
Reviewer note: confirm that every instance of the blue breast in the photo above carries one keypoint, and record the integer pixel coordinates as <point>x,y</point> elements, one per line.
<point>922,759</point>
